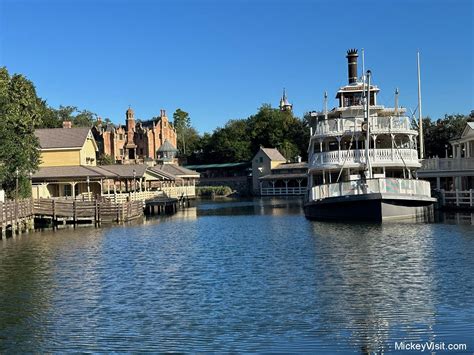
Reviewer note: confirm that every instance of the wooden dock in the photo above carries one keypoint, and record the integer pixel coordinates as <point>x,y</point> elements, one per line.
<point>96,211</point>
<point>19,216</point>
<point>16,216</point>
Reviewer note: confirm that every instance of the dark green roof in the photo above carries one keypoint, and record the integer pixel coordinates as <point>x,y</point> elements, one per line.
<point>216,166</point>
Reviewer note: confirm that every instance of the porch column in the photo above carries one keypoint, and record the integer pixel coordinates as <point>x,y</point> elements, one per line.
<point>438,182</point>
<point>73,187</point>
<point>286,186</point>
<point>261,186</point>
<point>339,148</point>
<point>374,137</point>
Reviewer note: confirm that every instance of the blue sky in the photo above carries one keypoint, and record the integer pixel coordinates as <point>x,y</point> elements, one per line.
<point>220,60</point>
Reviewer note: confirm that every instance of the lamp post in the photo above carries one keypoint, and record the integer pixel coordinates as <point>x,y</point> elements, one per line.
<point>17,171</point>
<point>446,149</point>
<point>134,182</point>
<point>88,189</point>
<point>30,174</point>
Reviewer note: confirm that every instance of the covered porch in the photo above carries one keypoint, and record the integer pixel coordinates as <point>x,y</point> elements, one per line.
<point>283,184</point>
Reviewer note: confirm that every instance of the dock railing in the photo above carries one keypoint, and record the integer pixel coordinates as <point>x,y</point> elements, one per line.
<point>282,191</point>
<point>120,197</point>
<point>457,198</point>
<point>381,185</point>
<point>96,210</point>
<point>14,212</point>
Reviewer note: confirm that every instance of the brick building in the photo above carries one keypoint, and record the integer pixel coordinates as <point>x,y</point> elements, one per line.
<point>137,140</point>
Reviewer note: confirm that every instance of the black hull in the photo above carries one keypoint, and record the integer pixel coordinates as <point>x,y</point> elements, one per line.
<point>371,208</point>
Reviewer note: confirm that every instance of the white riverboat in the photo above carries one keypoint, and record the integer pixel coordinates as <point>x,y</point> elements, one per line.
<point>363,158</point>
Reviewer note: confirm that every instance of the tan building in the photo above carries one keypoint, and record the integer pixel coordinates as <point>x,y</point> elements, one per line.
<point>137,141</point>
<point>263,162</point>
<point>67,146</point>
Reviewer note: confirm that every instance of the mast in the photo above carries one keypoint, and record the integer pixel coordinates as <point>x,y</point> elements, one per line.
<point>420,116</point>
<point>325,105</point>
<point>396,101</point>
<point>367,139</point>
<point>363,67</point>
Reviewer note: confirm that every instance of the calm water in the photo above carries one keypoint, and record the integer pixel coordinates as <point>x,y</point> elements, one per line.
<point>237,276</point>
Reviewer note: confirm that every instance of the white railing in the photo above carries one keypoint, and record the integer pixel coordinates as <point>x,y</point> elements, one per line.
<point>282,191</point>
<point>377,124</point>
<point>458,198</point>
<point>382,185</point>
<point>121,197</point>
<point>357,156</point>
<point>449,164</point>
<point>179,191</point>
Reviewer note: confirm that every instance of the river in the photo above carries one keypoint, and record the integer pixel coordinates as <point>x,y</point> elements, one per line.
<point>238,276</point>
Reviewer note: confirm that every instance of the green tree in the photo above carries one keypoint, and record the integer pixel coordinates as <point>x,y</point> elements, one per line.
<point>230,143</point>
<point>437,134</point>
<point>105,159</point>
<point>271,127</point>
<point>21,112</point>
<point>182,123</point>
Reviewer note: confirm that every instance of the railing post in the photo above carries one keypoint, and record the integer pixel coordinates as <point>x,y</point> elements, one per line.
<point>457,197</point>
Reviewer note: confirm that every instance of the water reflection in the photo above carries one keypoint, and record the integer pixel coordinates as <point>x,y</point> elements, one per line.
<point>455,217</point>
<point>237,276</point>
<point>375,280</point>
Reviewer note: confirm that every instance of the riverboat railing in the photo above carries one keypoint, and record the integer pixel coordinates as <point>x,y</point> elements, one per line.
<point>377,124</point>
<point>358,156</point>
<point>381,185</point>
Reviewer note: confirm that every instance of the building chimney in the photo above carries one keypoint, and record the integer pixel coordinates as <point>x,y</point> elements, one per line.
<point>67,124</point>
<point>352,65</point>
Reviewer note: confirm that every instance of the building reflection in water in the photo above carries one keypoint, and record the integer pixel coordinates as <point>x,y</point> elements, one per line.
<point>374,282</point>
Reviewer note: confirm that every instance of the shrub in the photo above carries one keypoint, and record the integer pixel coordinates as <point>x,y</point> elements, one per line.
<point>213,190</point>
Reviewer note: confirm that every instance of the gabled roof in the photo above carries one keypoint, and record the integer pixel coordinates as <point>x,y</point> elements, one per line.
<point>175,170</point>
<point>273,154</point>
<point>467,128</point>
<point>126,170</point>
<point>302,165</point>
<point>78,171</point>
<point>57,138</point>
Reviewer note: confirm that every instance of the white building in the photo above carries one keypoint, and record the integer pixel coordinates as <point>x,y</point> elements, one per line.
<point>456,173</point>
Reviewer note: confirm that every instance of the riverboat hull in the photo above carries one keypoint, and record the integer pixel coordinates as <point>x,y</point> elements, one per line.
<point>375,207</point>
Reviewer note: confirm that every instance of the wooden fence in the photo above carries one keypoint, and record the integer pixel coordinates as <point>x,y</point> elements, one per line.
<point>457,198</point>
<point>95,211</point>
<point>14,214</point>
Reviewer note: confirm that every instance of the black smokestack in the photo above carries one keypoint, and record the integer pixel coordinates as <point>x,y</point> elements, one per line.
<point>352,65</point>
